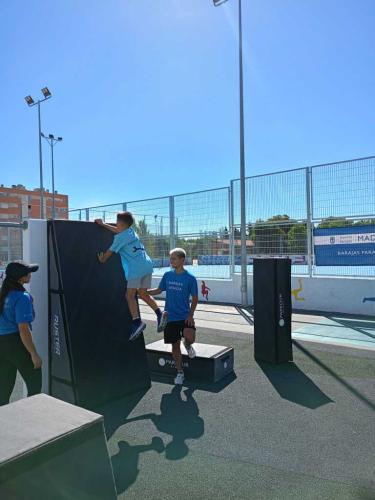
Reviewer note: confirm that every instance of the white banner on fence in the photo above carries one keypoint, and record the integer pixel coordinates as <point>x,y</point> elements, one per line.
<point>345,239</point>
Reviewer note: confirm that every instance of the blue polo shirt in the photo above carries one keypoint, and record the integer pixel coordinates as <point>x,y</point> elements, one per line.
<point>134,259</point>
<point>179,288</point>
<point>18,308</point>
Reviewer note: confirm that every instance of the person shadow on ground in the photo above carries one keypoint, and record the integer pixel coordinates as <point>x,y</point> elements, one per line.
<point>179,418</point>
<point>125,462</point>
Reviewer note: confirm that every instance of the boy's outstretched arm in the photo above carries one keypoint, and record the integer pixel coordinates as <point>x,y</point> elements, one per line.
<point>111,228</point>
<point>154,291</point>
<point>104,256</point>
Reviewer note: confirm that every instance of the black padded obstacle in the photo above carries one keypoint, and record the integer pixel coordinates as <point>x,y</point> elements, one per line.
<point>91,359</point>
<point>53,450</point>
<point>211,364</point>
<point>272,310</point>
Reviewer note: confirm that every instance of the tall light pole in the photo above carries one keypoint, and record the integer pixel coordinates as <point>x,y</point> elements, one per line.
<point>52,140</point>
<point>242,160</point>
<point>30,102</point>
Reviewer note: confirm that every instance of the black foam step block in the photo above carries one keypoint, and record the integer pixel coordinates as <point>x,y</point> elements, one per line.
<point>211,363</point>
<point>51,449</point>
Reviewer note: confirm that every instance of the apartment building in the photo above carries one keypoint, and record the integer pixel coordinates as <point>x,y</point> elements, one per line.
<point>18,204</point>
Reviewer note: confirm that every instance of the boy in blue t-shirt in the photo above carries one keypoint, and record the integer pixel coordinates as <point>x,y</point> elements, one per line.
<point>179,286</point>
<point>137,267</point>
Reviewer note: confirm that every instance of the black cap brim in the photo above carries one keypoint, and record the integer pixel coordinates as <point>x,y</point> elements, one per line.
<point>33,268</point>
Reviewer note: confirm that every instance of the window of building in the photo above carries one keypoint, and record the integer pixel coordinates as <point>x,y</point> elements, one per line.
<point>8,216</point>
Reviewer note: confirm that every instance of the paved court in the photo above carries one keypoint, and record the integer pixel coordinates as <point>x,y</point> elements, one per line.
<point>334,329</point>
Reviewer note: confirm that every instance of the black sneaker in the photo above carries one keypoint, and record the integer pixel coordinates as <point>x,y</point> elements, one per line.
<point>137,329</point>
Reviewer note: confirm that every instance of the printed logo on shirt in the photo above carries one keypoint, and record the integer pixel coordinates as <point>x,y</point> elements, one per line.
<point>175,285</point>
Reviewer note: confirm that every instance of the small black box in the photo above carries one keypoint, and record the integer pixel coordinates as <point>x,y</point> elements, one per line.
<point>211,364</point>
<point>272,310</point>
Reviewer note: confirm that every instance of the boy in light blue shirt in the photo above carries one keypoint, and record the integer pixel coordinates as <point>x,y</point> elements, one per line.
<point>137,267</point>
<point>179,286</point>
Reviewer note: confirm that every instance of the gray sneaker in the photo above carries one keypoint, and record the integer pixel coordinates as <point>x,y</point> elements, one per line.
<point>162,322</point>
<point>190,350</point>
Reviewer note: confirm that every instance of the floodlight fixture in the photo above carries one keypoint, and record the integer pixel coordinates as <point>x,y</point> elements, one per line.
<point>29,100</point>
<point>46,92</point>
<point>52,140</point>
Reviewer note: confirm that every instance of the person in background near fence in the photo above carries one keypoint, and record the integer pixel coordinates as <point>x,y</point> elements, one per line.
<point>205,290</point>
<point>179,286</point>
<point>17,349</point>
<point>137,267</point>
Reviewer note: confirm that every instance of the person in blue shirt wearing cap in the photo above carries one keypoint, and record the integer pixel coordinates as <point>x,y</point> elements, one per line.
<point>137,268</point>
<point>17,349</point>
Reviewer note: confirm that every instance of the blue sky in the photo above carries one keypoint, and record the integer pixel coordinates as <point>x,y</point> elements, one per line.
<point>145,92</point>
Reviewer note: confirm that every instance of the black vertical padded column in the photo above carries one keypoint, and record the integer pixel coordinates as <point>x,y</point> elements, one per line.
<point>272,310</point>
<point>91,359</point>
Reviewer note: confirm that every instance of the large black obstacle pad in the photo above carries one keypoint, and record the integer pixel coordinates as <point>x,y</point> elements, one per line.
<point>272,310</point>
<point>91,359</point>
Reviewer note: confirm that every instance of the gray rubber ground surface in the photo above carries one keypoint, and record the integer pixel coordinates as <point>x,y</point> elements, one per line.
<point>301,431</point>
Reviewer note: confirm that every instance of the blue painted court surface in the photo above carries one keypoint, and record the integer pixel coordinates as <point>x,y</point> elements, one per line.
<point>339,329</point>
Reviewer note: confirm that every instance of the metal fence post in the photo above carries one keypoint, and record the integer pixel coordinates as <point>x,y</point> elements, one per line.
<point>87,210</point>
<point>231,231</point>
<point>309,220</point>
<point>124,207</point>
<point>172,231</point>
<point>9,252</point>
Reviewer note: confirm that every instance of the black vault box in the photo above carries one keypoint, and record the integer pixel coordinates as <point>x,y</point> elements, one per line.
<point>53,450</point>
<point>272,310</point>
<point>211,364</point>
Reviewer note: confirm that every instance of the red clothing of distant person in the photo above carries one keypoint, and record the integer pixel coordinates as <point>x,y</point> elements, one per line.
<point>205,290</point>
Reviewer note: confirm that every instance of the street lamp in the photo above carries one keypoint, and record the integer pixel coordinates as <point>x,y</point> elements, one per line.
<point>52,140</point>
<point>242,161</point>
<point>30,102</point>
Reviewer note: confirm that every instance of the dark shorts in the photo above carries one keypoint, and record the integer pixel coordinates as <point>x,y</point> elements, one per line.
<point>174,331</point>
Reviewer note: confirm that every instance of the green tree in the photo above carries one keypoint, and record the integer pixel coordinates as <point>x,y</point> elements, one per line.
<point>268,236</point>
<point>297,239</point>
<point>364,222</point>
<point>335,222</point>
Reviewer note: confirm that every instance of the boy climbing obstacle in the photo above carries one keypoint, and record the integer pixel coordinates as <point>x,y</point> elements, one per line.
<point>179,286</point>
<point>137,267</point>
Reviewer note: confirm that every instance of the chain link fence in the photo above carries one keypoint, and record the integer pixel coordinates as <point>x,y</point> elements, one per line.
<point>299,213</point>
<point>284,211</point>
